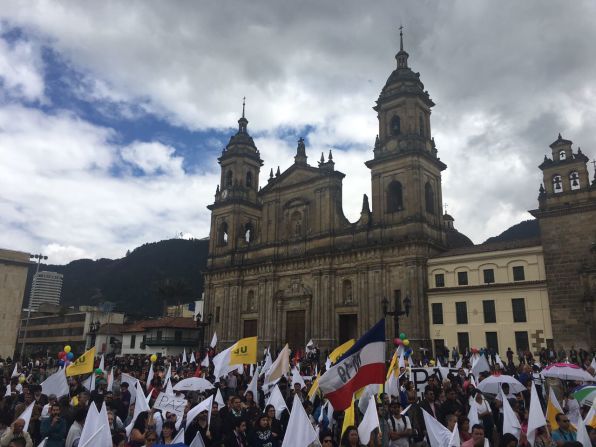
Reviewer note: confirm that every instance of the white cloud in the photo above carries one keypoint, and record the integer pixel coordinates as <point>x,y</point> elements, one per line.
<point>506,80</point>
<point>21,70</point>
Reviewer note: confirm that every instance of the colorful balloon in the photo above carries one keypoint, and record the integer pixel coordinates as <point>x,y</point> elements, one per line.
<point>98,371</point>
<point>406,342</point>
<point>397,341</point>
<point>70,356</point>
<point>402,336</point>
<point>22,378</point>
<point>67,349</point>
<point>153,358</point>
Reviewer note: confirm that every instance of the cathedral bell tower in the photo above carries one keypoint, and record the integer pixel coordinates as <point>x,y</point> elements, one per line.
<point>235,214</point>
<point>405,170</point>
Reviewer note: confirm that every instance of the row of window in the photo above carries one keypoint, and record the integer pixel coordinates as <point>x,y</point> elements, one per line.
<point>573,182</point>
<point>57,332</point>
<point>396,125</point>
<point>223,233</point>
<point>519,274</point>
<point>518,307</point>
<point>491,341</point>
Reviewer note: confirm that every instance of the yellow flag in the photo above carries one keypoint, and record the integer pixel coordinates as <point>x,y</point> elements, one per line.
<point>339,351</point>
<point>314,387</point>
<point>552,409</point>
<point>348,417</point>
<point>244,352</point>
<point>82,365</point>
<point>392,364</point>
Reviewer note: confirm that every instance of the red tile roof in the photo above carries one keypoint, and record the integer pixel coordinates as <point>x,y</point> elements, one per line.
<point>169,322</point>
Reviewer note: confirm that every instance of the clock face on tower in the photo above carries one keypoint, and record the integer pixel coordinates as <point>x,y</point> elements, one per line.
<point>224,194</point>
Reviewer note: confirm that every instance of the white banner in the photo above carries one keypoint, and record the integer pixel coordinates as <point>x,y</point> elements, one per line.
<point>420,376</point>
<point>171,404</point>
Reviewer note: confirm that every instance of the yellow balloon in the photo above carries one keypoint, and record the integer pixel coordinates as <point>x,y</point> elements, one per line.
<point>431,363</point>
<point>67,349</point>
<point>153,358</point>
<point>22,379</point>
<point>406,342</point>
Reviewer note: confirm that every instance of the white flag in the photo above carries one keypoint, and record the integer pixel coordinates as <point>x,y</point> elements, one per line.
<point>179,439</point>
<point>582,434</point>
<point>169,390</point>
<point>473,415</point>
<point>55,384</point>
<point>479,365</point>
<point>510,421</point>
<point>297,378</point>
<point>96,431</point>
<point>459,363</point>
<point>438,434</point>
<point>454,440</point>
<point>15,371</point>
<point>89,382</point>
<point>219,400</point>
<point>150,376</point>
<point>140,405</point>
<point>111,379</point>
<point>221,363</point>
<point>205,362</point>
<point>26,415</point>
<point>192,357</point>
<point>213,343</point>
<point>369,390</point>
<point>102,363</point>
<point>252,387</point>
<point>184,357</point>
<point>268,363</point>
<point>536,417</point>
<point>204,405</point>
<point>392,385</point>
<point>300,431</point>
<point>370,421</point>
<point>278,402</point>
<point>280,367</point>
<point>198,441</point>
<point>43,443</point>
<point>168,373</point>
<point>499,362</point>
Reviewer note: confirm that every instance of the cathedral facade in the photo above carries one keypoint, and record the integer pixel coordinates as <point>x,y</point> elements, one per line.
<point>287,266</point>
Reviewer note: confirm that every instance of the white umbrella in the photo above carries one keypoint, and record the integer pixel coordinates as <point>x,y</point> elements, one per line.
<point>193,384</point>
<point>567,371</point>
<point>492,384</point>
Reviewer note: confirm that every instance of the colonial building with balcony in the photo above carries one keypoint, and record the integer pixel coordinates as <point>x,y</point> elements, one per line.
<point>165,336</point>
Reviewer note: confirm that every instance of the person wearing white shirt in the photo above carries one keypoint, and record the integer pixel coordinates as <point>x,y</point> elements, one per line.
<point>400,428</point>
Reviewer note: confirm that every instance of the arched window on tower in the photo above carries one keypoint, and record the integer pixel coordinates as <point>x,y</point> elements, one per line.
<point>222,237</point>
<point>248,233</point>
<point>562,155</point>
<point>421,125</point>
<point>229,178</point>
<point>395,125</point>
<point>347,291</point>
<point>574,180</point>
<point>249,179</point>
<point>296,227</point>
<point>429,198</point>
<point>557,184</point>
<point>394,197</point>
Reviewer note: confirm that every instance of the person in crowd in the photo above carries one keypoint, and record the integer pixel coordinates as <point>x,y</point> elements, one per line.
<point>143,424</point>
<point>350,438</point>
<point>237,438</point>
<point>508,440</point>
<point>565,432</point>
<point>150,438</point>
<point>168,432</point>
<point>400,428</point>
<point>74,433</point>
<point>477,438</point>
<point>262,435</point>
<point>15,432</point>
<point>54,428</point>
<point>543,438</point>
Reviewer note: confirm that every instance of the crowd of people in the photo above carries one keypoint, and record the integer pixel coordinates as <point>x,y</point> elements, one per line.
<point>240,418</point>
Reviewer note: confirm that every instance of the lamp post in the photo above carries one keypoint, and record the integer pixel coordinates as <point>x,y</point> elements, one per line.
<point>397,311</point>
<point>202,323</point>
<point>39,258</point>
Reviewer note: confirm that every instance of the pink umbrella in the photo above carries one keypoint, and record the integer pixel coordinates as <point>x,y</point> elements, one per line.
<point>567,371</point>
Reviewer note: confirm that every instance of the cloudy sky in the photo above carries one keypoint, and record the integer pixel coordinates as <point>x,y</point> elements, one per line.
<point>112,114</point>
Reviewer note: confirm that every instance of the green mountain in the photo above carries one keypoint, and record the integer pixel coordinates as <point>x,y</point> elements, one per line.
<point>140,283</point>
<point>527,229</point>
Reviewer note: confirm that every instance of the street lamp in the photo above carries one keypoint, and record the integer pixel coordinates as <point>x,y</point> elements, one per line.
<point>39,258</point>
<point>397,311</point>
<point>202,323</point>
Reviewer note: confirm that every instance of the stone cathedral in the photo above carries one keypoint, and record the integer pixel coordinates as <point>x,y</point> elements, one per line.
<point>284,262</point>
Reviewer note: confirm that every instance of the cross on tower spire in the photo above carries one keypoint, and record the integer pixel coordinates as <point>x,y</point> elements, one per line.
<point>401,38</point>
<point>445,207</point>
<point>243,104</point>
